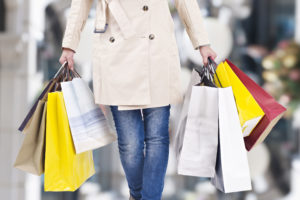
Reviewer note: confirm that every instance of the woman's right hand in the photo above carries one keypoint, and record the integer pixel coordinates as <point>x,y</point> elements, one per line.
<point>67,55</point>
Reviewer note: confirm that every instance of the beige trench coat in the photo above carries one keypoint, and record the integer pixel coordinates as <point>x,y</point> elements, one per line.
<point>135,55</point>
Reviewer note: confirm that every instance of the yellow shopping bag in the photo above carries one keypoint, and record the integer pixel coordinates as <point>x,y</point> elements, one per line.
<point>250,113</point>
<point>64,169</point>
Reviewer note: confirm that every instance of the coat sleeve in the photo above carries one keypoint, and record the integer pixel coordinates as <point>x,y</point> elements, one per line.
<point>190,14</point>
<point>76,20</point>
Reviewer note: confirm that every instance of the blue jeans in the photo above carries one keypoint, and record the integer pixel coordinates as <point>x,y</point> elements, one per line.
<point>144,168</point>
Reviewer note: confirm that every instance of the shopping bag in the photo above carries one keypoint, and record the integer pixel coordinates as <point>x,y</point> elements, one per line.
<point>29,115</point>
<point>64,169</point>
<point>273,110</point>
<point>232,172</point>
<point>177,138</point>
<point>200,141</point>
<point>89,127</point>
<point>49,87</point>
<point>31,154</point>
<point>250,113</point>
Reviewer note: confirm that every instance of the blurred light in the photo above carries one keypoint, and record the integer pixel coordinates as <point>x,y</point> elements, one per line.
<point>251,196</point>
<point>270,76</point>
<point>217,3</point>
<point>269,62</point>
<point>289,61</point>
<point>225,15</point>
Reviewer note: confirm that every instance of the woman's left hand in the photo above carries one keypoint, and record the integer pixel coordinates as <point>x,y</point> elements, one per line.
<point>206,52</point>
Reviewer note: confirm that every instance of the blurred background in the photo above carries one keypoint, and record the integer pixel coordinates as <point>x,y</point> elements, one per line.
<point>261,37</point>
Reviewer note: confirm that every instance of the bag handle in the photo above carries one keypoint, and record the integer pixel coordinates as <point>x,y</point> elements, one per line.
<point>60,70</point>
<point>205,77</point>
<point>213,67</point>
<point>51,86</point>
<point>207,72</point>
<point>64,74</point>
<point>75,74</point>
<point>60,76</point>
<point>72,73</point>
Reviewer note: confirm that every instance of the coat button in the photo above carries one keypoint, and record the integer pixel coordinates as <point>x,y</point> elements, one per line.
<point>145,8</point>
<point>111,39</point>
<point>151,36</point>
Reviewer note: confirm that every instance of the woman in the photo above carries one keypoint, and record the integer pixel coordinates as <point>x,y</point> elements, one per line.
<point>136,70</point>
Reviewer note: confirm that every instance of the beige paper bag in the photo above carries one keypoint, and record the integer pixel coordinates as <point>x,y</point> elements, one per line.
<point>31,154</point>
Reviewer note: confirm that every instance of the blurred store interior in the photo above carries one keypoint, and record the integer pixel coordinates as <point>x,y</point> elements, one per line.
<point>261,36</point>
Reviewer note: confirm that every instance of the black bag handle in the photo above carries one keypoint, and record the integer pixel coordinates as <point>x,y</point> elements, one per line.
<point>72,72</point>
<point>205,76</point>
<point>213,67</point>
<point>207,72</point>
<point>64,74</point>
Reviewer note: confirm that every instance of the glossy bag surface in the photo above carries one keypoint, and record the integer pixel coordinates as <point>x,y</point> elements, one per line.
<point>272,109</point>
<point>249,111</point>
<point>64,169</point>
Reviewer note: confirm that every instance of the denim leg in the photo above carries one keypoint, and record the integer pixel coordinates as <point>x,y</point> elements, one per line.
<point>156,123</point>
<point>130,131</point>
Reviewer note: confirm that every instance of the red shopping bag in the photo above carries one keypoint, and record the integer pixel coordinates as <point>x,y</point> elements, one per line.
<point>273,110</point>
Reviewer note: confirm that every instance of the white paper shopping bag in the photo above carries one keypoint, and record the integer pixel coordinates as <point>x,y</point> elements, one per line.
<point>89,127</point>
<point>177,139</point>
<point>200,141</point>
<point>232,169</point>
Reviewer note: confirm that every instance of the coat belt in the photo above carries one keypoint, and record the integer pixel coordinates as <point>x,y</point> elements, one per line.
<point>116,9</point>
